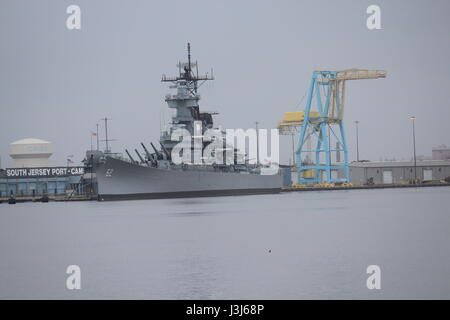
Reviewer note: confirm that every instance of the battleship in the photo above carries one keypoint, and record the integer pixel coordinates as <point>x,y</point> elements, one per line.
<point>155,174</point>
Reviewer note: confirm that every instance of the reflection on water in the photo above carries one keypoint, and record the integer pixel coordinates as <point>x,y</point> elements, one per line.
<point>298,245</point>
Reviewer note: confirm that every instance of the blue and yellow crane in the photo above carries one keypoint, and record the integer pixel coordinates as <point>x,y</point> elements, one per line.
<point>322,122</point>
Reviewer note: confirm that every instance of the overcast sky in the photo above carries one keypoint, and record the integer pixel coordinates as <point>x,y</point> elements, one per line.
<point>55,83</point>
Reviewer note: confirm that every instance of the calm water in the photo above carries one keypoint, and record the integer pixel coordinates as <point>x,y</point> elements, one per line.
<point>218,248</point>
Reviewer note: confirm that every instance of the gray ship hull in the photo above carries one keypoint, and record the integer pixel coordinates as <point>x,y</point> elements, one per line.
<point>121,180</point>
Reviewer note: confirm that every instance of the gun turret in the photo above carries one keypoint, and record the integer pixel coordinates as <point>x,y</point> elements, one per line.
<point>168,157</point>
<point>159,155</point>
<point>149,155</point>
<point>140,157</point>
<point>129,156</point>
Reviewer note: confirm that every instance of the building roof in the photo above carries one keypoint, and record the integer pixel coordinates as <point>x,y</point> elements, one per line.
<point>441,148</point>
<point>30,141</point>
<point>385,164</point>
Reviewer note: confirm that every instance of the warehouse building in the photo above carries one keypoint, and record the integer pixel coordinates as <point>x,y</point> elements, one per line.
<point>398,172</point>
<point>441,153</point>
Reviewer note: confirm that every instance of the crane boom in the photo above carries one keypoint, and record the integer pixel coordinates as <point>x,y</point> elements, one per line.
<point>359,74</point>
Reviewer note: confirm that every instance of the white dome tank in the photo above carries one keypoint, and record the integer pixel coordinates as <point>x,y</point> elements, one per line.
<point>31,153</point>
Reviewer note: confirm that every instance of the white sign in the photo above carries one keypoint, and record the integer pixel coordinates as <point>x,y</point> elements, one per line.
<point>44,172</point>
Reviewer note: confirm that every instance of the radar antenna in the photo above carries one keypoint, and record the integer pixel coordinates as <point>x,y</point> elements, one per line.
<point>186,74</point>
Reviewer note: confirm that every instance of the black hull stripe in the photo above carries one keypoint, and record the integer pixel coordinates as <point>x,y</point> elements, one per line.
<point>187,194</point>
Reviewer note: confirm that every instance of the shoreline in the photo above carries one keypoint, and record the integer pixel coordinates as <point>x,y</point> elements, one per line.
<point>4,200</point>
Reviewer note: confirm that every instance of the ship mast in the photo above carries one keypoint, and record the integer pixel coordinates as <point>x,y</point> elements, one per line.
<point>186,74</point>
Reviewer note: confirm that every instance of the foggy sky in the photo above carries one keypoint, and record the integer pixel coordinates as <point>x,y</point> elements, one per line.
<point>55,84</point>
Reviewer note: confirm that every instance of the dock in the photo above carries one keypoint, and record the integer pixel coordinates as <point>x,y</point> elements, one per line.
<point>295,188</point>
<point>59,198</point>
<point>359,187</point>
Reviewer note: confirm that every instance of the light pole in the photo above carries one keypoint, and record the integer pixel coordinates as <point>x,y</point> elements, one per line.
<point>413,118</point>
<point>293,148</point>
<point>357,141</point>
<point>257,143</point>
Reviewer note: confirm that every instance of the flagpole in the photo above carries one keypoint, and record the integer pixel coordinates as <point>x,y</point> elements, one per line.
<point>97,137</point>
<point>91,141</point>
